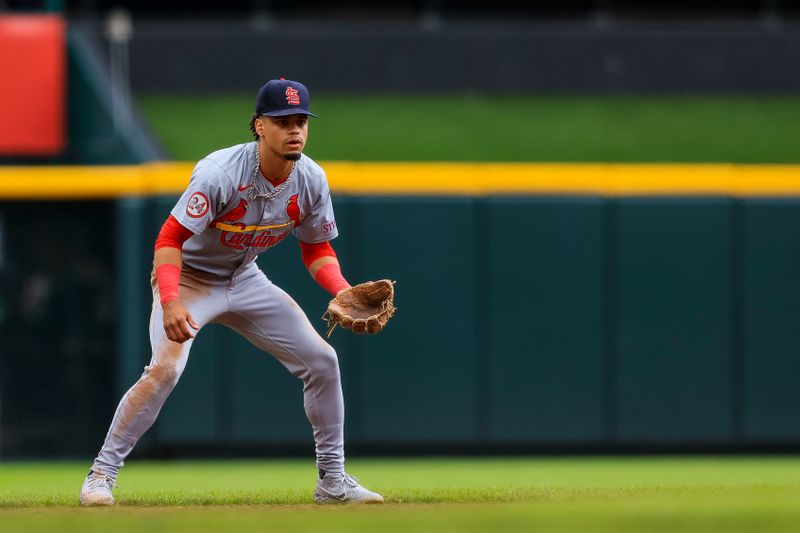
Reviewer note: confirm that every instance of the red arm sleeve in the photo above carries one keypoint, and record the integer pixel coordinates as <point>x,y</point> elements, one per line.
<point>311,252</point>
<point>168,278</point>
<point>172,234</point>
<point>329,276</point>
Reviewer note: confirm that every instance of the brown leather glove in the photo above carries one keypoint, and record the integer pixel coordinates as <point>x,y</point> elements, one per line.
<point>365,308</point>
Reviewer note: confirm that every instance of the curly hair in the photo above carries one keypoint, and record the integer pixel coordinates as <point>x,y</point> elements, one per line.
<point>253,118</point>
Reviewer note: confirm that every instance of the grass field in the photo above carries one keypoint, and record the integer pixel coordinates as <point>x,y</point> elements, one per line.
<point>538,494</point>
<point>501,127</point>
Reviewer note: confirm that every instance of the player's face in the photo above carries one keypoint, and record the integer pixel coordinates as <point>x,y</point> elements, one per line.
<point>286,136</point>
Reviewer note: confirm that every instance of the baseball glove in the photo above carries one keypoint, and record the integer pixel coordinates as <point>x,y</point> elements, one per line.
<point>365,308</point>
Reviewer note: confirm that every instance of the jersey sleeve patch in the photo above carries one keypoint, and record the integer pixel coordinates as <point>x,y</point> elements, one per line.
<point>198,205</point>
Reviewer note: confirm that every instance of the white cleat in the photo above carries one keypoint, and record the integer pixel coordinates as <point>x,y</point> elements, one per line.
<point>96,490</point>
<point>343,488</point>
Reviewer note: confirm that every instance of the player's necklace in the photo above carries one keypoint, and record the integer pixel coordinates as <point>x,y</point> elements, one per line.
<point>269,195</point>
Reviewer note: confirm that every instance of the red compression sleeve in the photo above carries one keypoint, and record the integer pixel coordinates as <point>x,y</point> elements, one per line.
<point>313,251</point>
<point>172,234</point>
<point>168,276</point>
<point>328,276</point>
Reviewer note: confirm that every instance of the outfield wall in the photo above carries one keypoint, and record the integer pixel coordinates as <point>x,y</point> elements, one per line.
<point>650,317</point>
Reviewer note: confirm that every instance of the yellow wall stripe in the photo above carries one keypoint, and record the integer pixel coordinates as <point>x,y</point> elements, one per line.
<point>428,179</point>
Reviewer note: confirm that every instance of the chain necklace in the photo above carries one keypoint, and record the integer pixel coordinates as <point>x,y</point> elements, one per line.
<point>269,195</point>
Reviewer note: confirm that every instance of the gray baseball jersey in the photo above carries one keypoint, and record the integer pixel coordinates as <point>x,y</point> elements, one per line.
<point>232,224</point>
<point>221,283</point>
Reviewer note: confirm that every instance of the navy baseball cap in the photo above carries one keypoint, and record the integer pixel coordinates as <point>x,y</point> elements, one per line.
<point>278,98</point>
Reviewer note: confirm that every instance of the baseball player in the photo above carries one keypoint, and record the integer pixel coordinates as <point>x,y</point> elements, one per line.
<point>241,201</point>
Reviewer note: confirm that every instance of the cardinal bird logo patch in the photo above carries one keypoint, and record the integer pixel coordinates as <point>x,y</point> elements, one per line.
<point>235,214</point>
<point>293,210</point>
<point>292,96</point>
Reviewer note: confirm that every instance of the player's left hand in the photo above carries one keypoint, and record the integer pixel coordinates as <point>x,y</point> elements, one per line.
<point>365,308</point>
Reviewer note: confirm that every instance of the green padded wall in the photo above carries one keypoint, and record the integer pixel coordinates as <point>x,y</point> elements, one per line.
<point>520,321</point>
<point>417,377</point>
<point>771,319</point>
<point>674,331</point>
<point>544,316</point>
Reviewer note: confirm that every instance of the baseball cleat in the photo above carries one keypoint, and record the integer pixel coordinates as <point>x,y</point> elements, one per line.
<point>96,490</point>
<point>343,488</point>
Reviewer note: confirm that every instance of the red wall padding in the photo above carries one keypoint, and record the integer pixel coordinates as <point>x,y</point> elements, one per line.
<point>32,85</point>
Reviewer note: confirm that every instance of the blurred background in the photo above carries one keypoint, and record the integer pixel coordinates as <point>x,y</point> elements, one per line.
<point>645,300</point>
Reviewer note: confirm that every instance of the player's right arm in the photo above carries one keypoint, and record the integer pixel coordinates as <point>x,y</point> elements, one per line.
<point>167,261</point>
<point>209,187</point>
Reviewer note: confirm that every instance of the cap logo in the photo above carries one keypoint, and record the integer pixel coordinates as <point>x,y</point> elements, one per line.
<point>292,96</point>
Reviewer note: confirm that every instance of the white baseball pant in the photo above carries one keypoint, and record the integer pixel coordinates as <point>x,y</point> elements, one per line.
<point>269,318</point>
